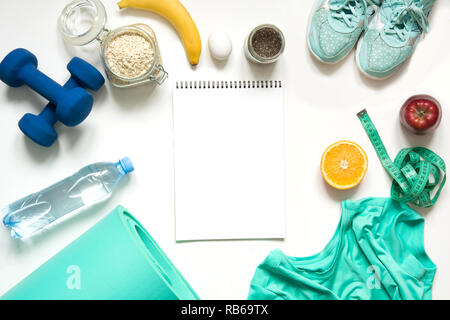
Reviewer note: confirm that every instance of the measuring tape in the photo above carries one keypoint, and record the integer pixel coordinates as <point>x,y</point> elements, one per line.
<point>416,171</point>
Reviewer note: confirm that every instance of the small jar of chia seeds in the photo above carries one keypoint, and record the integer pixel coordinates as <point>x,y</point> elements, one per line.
<point>264,44</point>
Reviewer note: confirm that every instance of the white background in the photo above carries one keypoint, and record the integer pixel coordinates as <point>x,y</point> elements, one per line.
<point>321,103</point>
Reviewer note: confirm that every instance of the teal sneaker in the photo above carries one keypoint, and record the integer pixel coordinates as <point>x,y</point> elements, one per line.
<point>336,25</point>
<point>392,36</point>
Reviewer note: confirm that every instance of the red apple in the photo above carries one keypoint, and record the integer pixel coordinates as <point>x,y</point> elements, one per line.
<point>421,114</point>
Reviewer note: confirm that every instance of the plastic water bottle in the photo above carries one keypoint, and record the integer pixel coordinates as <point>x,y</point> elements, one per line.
<point>91,185</point>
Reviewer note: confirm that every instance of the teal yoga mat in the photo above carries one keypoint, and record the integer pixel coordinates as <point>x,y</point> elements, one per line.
<point>115,259</point>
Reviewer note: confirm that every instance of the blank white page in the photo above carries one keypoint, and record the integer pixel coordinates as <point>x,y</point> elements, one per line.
<point>229,160</point>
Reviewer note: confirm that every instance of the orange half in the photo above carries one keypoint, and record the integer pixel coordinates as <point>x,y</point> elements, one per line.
<point>344,165</point>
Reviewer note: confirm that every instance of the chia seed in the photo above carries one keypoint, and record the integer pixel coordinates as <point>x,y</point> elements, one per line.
<point>266,42</point>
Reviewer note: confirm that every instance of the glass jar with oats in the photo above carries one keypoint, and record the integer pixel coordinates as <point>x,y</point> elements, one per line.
<point>130,54</point>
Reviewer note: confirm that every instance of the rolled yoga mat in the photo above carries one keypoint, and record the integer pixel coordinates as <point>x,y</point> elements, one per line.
<point>115,259</point>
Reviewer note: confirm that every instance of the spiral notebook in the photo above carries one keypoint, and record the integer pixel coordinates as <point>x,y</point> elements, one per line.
<point>229,160</point>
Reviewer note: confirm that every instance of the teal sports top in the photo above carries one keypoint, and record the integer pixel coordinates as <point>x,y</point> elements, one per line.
<point>376,253</point>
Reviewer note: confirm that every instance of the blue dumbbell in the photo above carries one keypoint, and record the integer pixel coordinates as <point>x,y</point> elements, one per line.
<point>19,67</point>
<point>40,128</point>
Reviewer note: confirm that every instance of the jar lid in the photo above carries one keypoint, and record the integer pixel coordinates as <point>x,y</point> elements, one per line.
<point>82,21</point>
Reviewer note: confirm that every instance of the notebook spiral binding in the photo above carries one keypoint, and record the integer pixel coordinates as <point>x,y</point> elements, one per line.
<point>227,84</point>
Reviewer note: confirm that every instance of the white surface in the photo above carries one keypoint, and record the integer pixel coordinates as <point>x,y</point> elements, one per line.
<point>321,103</point>
<point>229,163</point>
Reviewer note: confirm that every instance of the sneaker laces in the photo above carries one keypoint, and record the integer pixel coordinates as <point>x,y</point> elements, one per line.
<point>347,10</point>
<point>405,13</point>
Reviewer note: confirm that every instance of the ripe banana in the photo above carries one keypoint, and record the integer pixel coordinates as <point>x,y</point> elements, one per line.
<point>175,13</point>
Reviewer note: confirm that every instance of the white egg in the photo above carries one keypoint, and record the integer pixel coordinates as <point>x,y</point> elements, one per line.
<point>220,46</point>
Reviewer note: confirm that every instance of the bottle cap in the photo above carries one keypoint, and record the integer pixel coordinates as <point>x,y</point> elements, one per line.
<point>126,165</point>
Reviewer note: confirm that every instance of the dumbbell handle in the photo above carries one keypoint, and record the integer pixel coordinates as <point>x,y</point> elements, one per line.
<point>41,83</point>
<point>49,112</point>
